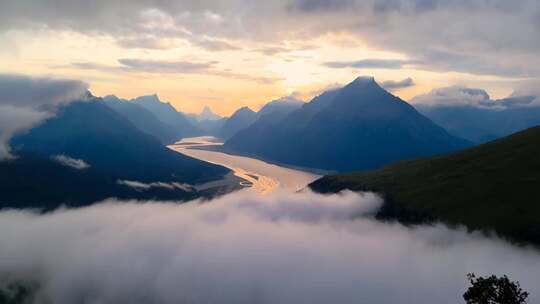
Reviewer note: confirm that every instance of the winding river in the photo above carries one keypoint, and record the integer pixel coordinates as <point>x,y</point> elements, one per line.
<point>260,176</point>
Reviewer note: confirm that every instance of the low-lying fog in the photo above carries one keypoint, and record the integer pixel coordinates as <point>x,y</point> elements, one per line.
<point>246,248</point>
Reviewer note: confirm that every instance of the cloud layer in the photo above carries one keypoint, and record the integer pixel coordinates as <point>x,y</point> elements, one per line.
<point>452,96</point>
<point>368,64</point>
<point>464,96</point>
<point>396,85</point>
<point>243,248</point>
<point>436,35</point>
<point>26,101</point>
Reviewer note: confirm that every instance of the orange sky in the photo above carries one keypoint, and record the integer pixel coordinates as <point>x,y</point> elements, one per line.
<point>190,76</point>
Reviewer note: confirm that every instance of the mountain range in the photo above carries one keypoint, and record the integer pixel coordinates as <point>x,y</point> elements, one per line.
<point>165,112</point>
<point>360,126</point>
<point>89,152</point>
<point>143,119</point>
<point>240,120</point>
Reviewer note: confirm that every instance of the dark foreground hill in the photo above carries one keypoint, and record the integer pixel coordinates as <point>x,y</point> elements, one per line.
<point>358,127</point>
<point>112,149</point>
<point>494,186</point>
<point>32,181</point>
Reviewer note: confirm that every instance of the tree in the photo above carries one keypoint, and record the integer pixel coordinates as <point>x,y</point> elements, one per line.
<point>494,290</point>
<point>16,293</point>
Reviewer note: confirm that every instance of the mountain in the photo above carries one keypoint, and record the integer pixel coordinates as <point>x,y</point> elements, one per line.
<point>211,127</point>
<point>207,114</point>
<point>360,126</point>
<point>207,122</point>
<point>482,120</point>
<point>113,149</point>
<point>493,186</point>
<point>279,108</point>
<point>143,119</point>
<point>168,114</point>
<point>241,119</point>
<point>252,139</point>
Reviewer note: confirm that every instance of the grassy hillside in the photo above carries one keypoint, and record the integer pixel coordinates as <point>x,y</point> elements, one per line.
<point>494,186</point>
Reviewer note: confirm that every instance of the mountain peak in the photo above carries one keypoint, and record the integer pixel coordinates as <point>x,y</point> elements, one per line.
<point>154,98</point>
<point>365,82</point>
<point>364,79</point>
<point>207,111</point>
<point>244,110</point>
<point>208,114</point>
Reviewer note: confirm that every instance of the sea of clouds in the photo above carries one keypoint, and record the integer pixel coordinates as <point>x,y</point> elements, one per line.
<point>246,248</point>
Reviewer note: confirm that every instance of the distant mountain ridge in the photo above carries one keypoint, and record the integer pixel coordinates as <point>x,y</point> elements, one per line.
<point>271,112</point>
<point>143,119</point>
<point>482,119</point>
<point>240,120</point>
<point>208,114</point>
<point>168,114</point>
<point>360,126</point>
<point>208,122</point>
<point>282,106</point>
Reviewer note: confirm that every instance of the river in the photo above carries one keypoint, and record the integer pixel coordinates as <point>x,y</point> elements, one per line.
<point>260,176</point>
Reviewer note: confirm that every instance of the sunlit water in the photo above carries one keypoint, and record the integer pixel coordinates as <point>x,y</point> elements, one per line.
<point>263,177</point>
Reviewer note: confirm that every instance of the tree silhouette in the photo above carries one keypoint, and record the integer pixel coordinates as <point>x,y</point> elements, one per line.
<point>17,293</point>
<point>494,290</point>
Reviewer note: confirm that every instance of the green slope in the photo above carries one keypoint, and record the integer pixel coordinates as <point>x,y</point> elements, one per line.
<point>495,186</point>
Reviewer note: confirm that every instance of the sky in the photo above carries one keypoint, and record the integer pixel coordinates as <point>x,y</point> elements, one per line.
<point>232,53</point>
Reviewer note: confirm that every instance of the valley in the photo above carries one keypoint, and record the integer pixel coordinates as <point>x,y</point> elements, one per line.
<point>262,177</point>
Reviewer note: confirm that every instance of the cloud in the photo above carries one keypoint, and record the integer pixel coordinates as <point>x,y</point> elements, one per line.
<point>67,161</point>
<point>140,186</point>
<point>321,5</point>
<point>14,120</point>
<point>240,76</point>
<point>244,248</point>
<point>273,50</point>
<point>395,85</point>
<point>162,66</point>
<point>464,96</point>
<point>453,96</point>
<point>146,42</point>
<point>214,44</point>
<point>154,42</point>
<point>368,64</point>
<point>474,64</point>
<point>481,37</point>
<point>25,91</point>
<point>25,101</point>
<point>171,67</point>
